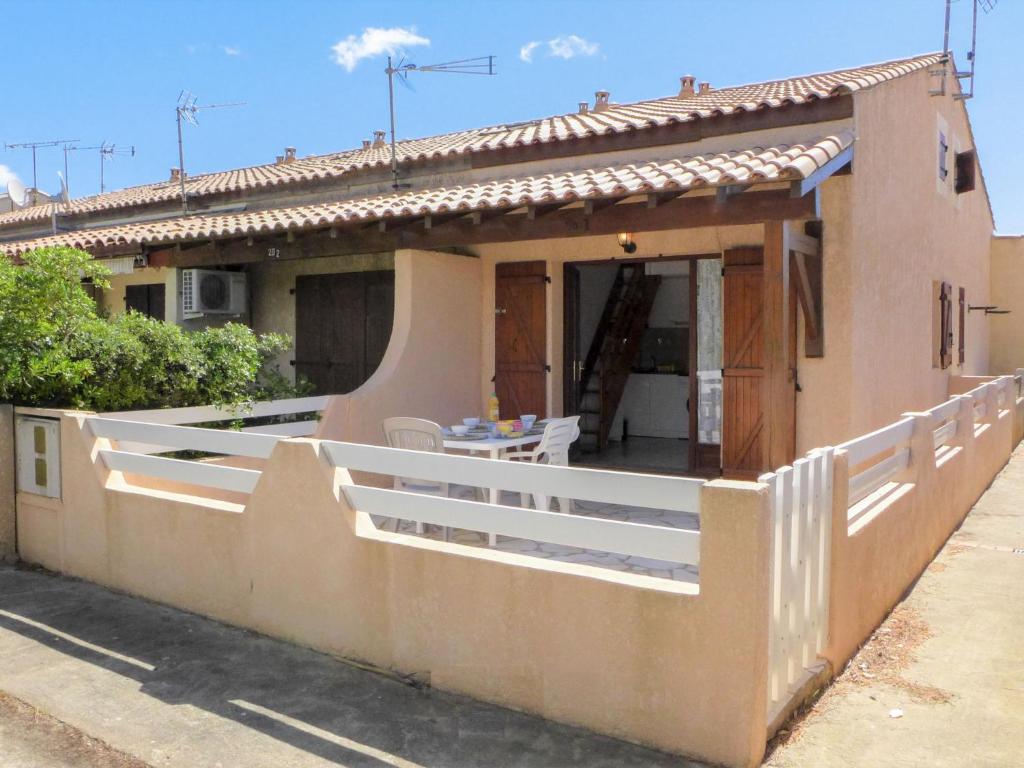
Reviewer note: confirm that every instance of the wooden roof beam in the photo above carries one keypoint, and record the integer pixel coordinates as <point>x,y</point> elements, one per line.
<point>535,212</point>
<point>654,199</point>
<point>729,190</point>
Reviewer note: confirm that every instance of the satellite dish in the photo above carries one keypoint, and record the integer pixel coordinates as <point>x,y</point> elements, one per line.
<point>64,196</point>
<point>18,193</point>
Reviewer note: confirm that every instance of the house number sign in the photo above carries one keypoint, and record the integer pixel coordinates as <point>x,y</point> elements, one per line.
<point>274,253</point>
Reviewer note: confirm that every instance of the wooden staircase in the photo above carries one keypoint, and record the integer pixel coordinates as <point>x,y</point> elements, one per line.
<point>612,352</point>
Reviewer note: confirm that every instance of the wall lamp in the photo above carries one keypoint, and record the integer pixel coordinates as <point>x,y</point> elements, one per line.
<point>626,241</point>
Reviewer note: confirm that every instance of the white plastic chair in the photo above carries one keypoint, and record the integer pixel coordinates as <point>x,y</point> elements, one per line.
<point>416,435</point>
<point>553,448</point>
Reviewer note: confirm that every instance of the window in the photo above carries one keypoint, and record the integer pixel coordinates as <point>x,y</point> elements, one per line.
<point>146,299</point>
<point>945,325</point>
<point>943,152</point>
<point>965,169</point>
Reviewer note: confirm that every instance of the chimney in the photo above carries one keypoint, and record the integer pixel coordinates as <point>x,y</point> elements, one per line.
<point>584,107</point>
<point>378,139</point>
<point>279,160</point>
<point>366,143</point>
<point>686,83</point>
<point>601,101</point>
<point>175,174</point>
<point>705,88</point>
<point>289,154</point>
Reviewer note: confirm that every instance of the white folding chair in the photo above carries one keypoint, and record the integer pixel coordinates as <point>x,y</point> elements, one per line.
<point>553,448</point>
<point>416,435</point>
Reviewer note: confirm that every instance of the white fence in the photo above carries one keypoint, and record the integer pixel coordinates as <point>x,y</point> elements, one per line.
<point>139,434</point>
<point>801,503</point>
<point>673,494</point>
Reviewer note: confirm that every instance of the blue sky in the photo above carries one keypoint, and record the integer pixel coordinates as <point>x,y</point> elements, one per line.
<point>111,71</point>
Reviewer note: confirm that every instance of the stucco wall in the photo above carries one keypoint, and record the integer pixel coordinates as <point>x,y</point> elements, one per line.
<point>8,545</point>
<point>111,299</point>
<point>908,230</point>
<point>646,659</point>
<point>1007,293</point>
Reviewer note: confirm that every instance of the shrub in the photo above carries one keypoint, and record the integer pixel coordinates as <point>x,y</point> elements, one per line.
<point>55,350</point>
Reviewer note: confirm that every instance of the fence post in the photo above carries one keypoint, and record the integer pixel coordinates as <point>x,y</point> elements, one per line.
<point>837,649</point>
<point>921,466</point>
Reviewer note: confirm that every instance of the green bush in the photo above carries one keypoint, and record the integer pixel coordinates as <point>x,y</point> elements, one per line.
<point>55,350</point>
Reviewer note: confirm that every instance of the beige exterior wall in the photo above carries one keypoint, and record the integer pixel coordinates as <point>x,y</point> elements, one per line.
<point>908,230</point>
<point>8,543</point>
<point>111,299</point>
<point>649,660</point>
<point>1007,293</point>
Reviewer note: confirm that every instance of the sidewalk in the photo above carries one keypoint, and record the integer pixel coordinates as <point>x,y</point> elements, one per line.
<point>941,683</point>
<point>178,691</point>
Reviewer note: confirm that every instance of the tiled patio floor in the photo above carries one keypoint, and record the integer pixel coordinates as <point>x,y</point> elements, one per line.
<point>615,562</point>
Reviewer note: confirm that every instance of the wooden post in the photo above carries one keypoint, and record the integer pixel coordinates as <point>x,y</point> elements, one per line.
<point>779,394</point>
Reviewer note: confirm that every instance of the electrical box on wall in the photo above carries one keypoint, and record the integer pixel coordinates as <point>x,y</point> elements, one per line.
<point>37,454</point>
<point>212,292</point>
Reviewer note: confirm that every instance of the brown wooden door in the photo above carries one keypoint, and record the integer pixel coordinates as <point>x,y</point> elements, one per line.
<point>743,429</point>
<point>520,334</point>
<point>342,327</point>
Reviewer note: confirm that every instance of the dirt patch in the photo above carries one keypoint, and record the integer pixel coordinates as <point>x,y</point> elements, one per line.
<point>32,737</point>
<point>880,661</point>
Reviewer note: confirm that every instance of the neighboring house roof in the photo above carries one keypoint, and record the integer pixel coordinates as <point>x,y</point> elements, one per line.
<point>750,165</point>
<point>616,118</point>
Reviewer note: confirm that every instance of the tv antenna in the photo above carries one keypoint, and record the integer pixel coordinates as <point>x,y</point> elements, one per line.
<point>987,6</point>
<point>107,152</point>
<point>481,65</point>
<point>186,110</point>
<point>34,145</point>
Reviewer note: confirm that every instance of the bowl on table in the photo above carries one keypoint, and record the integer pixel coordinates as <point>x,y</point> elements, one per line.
<point>505,428</point>
<point>492,428</point>
<point>460,430</point>
<point>528,419</point>
<point>471,422</point>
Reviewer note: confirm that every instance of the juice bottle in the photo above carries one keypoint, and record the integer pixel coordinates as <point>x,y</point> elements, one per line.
<point>493,410</point>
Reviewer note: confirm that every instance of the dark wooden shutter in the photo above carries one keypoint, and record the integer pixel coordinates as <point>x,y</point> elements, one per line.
<point>520,337</point>
<point>945,325</point>
<point>961,346</point>
<point>342,327</point>
<point>743,360</point>
<point>146,299</point>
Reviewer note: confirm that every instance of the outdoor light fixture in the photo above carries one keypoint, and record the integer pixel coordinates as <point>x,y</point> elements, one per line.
<point>626,241</point>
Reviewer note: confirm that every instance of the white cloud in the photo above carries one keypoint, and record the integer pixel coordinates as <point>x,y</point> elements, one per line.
<point>373,42</point>
<point>526,52</point>
<point>571,46</point>
<point>7,176</point>
<point>230,50</point>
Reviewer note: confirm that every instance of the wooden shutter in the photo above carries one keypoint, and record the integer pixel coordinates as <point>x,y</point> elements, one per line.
<point>963,326</point>
<point>743,360</point>
<point>520,337</point>
<point>945,325</point>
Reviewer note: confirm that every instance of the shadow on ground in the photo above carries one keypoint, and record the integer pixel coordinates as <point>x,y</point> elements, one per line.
<point>312,702</point>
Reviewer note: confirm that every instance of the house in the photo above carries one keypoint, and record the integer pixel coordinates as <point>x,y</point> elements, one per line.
<point>716,281</point>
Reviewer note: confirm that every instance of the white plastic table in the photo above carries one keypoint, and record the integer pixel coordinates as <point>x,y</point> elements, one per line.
<point>495,447</point>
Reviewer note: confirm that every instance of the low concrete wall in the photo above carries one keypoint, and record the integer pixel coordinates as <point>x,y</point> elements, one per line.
<point>877,558</point>
<point>650,660</point>
<point>8,470</point>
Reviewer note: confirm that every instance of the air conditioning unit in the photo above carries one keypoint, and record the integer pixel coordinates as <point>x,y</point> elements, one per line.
<point>212,292</point>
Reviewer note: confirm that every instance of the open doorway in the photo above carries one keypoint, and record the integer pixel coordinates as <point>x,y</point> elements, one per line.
<point>643,363</point>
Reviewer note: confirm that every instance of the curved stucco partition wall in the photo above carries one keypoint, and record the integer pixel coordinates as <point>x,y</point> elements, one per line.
<point>431,369</point>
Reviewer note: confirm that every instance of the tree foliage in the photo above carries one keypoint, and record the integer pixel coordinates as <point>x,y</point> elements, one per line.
<point>57,351</point>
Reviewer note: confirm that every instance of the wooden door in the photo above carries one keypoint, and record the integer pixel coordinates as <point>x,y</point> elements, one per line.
<point>743,429</point>
<point>342,327</point>
<point>520,337</point>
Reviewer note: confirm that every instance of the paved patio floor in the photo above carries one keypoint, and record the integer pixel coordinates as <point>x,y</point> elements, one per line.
<point>610,560</point>
<point>173,689</point>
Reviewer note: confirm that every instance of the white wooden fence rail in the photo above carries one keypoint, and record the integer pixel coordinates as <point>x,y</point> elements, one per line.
<point>210,413</point>
<point>634,539</point>
<point>891,439</point>
<point>193,472</point>
<point>801,504</point>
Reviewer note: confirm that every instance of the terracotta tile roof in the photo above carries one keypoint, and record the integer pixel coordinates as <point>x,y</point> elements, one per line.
<point>782,162</point>
<point>618,118</point>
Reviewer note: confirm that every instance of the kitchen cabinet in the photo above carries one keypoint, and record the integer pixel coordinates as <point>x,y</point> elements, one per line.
<point>655,406</point>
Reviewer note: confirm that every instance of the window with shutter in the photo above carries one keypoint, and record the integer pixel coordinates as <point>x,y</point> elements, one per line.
<point>964,167</point>
<point>961,355</point>
<point>945,325</point>
<point>943,154</point>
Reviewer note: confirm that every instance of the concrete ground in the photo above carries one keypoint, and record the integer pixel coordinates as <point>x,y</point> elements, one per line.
<point>116,674</point>
<point>941,683</point>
